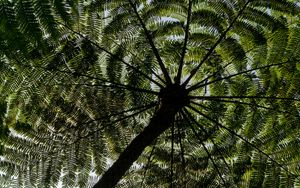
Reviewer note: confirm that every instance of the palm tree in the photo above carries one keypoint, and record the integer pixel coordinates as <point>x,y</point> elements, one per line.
<point>149,93</point>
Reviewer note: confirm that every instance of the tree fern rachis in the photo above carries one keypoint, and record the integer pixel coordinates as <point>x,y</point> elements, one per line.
<point>149,93</point>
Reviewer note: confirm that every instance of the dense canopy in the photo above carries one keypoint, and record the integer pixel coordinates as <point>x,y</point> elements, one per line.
<point>149,93</point>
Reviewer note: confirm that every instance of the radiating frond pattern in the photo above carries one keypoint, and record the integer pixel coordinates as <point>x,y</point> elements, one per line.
<point>156,93</point>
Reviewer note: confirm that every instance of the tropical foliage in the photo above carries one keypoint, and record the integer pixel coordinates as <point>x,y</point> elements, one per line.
<point>156,93</point>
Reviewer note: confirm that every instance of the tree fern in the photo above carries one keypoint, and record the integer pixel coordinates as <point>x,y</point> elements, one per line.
<point>149,93</point>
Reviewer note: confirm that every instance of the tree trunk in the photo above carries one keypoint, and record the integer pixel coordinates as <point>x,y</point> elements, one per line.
<point>160,122</point>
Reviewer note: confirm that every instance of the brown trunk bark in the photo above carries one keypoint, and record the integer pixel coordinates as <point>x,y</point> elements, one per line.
<point>160,122</point>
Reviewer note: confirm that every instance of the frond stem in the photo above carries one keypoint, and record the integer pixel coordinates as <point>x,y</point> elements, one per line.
<point>215,73</point>
<point>150,40</point>
<point>122,112</point>
<point>207,135</point>
<point>182,153</point>
<point>119,86</point>
<point>245,103</point>
<point>186,37</point>
<point>242,97</point>
<point>113,55</point>
<point>113,84</point>
<point>149,68</point>
<point>148,163</point>
<point>240,137</point>
<point>172,155</point>
<point>104,127</point>
<point>198,104</point>
<point>194,71</point>
<point>230,76</point>
<point>204,147</point>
